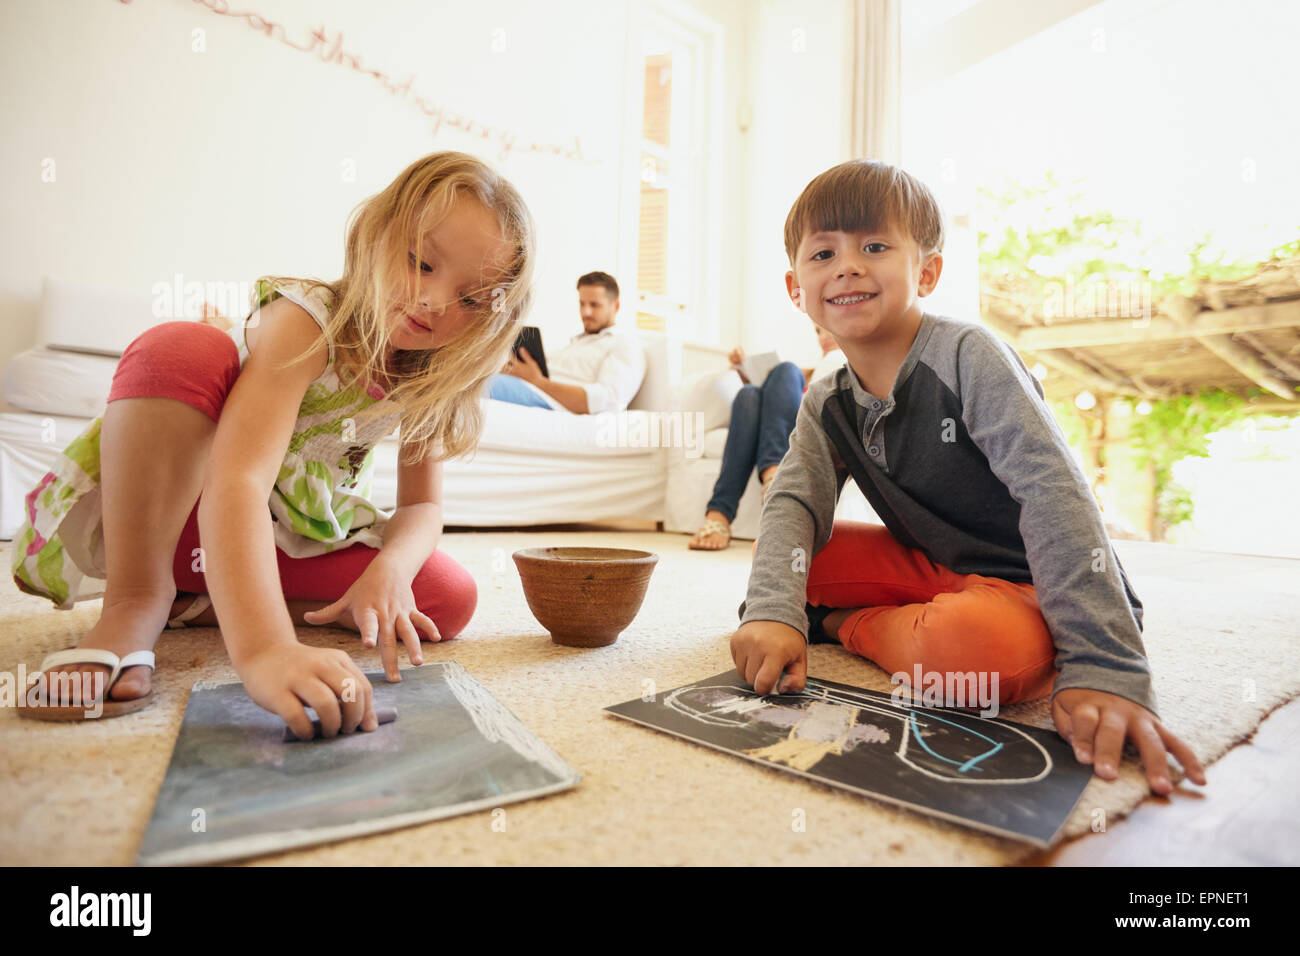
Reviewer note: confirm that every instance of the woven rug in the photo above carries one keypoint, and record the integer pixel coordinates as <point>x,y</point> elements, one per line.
<point>1221,634</point>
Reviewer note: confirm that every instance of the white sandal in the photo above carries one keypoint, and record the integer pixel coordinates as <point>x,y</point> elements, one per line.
<point>43,710</point>
<point>200,604</point>
<point>711,526</point>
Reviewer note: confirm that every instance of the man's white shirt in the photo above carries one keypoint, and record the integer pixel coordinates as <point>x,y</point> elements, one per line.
<point>609,365</point>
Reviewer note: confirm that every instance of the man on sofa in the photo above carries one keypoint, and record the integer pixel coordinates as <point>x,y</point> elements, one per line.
<point>600,370</point>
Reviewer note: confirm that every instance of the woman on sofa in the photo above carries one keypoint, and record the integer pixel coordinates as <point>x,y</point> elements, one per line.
<point>762,417</point>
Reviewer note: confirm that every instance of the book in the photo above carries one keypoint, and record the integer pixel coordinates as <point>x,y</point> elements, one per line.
<point>755,368</point>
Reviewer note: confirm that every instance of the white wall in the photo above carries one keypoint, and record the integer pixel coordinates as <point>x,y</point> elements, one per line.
<point>226,164</point>
<point>794,61</point>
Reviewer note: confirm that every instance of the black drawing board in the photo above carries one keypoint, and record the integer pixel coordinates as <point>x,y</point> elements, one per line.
<point>453,749</point>
<point>994,775</point>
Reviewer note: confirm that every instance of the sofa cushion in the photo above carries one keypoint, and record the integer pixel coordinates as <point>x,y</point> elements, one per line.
<point>715,440</point>
<point>92,318</point>
<point>712,394</point>
<point>654,395</point>
<point>52,382</point>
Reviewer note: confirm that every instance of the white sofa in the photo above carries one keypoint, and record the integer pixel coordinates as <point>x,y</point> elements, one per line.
<point>532,466</point>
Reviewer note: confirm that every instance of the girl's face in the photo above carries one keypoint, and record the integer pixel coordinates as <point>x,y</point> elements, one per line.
<point>462,259</point>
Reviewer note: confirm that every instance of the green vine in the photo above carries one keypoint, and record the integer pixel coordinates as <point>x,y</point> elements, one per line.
<point>1045,235</point>
<point>1072,422</point>
<point>1174,429</point>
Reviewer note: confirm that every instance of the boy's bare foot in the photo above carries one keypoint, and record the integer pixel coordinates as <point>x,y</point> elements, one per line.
<point>126,625</point>
<point>831,623</point>
<point>714,534</point>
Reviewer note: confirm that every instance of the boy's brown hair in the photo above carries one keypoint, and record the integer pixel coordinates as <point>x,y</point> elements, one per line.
<point>865,195</point>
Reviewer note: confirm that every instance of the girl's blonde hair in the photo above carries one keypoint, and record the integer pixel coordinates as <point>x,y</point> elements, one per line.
<point>439,389</point>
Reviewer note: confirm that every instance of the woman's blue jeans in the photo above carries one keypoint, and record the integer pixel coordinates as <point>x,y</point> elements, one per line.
<point>759,434</point>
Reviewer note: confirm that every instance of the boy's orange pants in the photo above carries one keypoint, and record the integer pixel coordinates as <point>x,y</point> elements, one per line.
<point>914,611</point>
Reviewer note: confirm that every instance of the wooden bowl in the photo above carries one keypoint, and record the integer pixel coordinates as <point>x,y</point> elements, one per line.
<point>584,596</point>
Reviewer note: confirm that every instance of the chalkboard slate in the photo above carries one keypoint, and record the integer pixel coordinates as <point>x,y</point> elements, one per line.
<point>994,775</point>
<point>234,788</point>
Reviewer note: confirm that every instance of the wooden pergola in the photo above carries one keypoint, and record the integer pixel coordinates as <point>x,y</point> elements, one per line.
<point>1242,336</point>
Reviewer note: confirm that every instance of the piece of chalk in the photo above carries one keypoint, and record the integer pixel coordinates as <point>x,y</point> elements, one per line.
<point>386,715</point>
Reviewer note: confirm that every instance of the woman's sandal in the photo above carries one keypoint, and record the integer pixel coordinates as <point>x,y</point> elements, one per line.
<point>43,710</point>
<point>711,526</point>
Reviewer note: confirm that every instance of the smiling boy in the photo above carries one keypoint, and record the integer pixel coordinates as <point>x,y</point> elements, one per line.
<point>993,557</point>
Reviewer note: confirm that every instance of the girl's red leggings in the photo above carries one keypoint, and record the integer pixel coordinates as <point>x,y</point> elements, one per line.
<point>197,364</point>
<point>915,612</point>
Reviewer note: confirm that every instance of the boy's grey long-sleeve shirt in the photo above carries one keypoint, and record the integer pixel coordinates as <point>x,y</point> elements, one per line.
<point>964,462</point>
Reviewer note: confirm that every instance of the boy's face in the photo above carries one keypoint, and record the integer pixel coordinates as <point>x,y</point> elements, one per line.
<point>861,286</point>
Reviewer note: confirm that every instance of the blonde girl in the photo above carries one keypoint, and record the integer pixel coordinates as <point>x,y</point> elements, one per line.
<point>161,506</point>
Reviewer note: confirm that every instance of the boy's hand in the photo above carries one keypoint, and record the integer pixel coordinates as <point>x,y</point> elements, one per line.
<point>763,650</point>
<point>284,676</point>
<point>1096,724</point>
<point>381,606</point>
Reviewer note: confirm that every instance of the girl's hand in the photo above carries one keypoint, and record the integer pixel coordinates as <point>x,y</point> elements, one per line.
<point>284,676</point>
<point>1096,723</point>
<point>382,608</point>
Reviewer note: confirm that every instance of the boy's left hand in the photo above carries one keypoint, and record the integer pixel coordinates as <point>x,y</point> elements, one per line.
<point>381,606</point>
<point>1096,724</point>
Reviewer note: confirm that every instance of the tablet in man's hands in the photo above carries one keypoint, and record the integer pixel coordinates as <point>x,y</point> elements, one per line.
<point>530,337</point>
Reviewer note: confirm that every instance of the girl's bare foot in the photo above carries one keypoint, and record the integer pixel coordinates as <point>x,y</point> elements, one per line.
<point>205,618</point>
